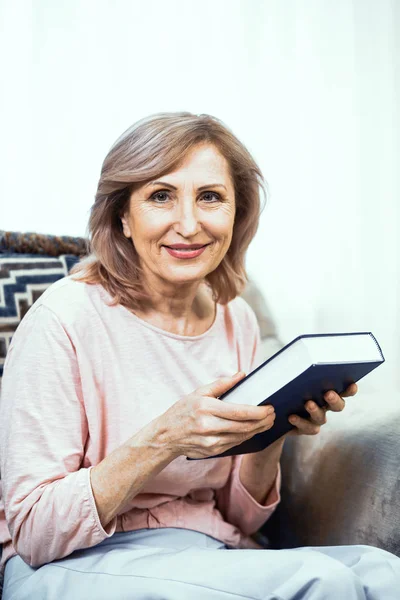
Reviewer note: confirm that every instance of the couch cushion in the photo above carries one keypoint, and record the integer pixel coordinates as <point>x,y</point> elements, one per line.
<point>23,278</point>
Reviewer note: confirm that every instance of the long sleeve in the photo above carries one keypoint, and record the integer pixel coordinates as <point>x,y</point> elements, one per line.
<point>48,500</point>
<point>233,500</point>
<point>240,508</point>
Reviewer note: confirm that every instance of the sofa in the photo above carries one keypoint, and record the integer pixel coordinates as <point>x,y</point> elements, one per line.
<point>339,487</point>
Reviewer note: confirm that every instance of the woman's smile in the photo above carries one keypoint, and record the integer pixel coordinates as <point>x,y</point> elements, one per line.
<point>179,250</point>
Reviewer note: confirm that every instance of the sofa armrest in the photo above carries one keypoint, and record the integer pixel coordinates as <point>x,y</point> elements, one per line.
<point>342,486</point>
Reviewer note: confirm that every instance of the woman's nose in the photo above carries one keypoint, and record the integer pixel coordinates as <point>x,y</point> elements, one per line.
<point>187,218</point>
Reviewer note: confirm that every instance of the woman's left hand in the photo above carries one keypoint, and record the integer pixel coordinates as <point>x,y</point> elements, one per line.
<point>312,426</point>
<point>258,469</point>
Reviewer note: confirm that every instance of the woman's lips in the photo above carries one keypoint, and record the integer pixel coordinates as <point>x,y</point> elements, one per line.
<point>185,253</point>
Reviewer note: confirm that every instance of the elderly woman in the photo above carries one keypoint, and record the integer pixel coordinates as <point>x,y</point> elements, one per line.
<point>112,381</point>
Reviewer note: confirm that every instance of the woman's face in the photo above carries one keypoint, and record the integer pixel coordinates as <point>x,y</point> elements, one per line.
<point>194,204</point>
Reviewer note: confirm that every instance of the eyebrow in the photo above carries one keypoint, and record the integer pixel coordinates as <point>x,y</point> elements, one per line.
<point>172,187</point>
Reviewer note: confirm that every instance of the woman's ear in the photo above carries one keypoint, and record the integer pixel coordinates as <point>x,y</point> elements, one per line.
<point>125,227</point>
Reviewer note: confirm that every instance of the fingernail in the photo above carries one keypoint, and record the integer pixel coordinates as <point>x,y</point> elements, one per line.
<point>293,420</point>
<point>270,410</point>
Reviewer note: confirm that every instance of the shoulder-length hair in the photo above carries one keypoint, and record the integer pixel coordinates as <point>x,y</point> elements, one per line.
<point>150,148</point>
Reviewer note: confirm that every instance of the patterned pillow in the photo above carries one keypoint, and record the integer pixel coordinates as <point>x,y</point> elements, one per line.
<point>23,278</point>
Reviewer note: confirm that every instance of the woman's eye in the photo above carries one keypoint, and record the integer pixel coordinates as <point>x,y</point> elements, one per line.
<point>160,196</point>
<point>211,196</point>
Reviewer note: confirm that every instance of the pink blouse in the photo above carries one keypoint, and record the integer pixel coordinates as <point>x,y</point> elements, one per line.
<point>80,378</point>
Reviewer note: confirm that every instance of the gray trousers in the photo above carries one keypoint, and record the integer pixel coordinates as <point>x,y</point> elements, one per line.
<point>181,564</point>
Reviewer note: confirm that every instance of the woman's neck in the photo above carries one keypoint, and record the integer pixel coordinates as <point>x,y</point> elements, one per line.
<point>191,315</point>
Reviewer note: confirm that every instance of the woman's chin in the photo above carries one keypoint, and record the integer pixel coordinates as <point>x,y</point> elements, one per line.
<point>182,276</point>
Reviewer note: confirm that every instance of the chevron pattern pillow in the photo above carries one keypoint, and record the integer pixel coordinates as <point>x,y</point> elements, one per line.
<point>23,278</point>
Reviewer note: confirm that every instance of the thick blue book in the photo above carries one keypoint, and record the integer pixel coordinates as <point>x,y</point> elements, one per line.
<point>305,369</point>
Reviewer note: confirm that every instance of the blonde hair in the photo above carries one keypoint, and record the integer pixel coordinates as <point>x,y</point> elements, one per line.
<point>150,148</point>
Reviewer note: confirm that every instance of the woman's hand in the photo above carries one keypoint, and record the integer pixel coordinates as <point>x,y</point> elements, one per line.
<point>318,415</point>
<point>199,425</point>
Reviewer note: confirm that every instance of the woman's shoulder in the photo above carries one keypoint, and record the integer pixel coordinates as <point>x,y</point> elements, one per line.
<point>66,289</point>
<point>67,299</point>
<point>242,310</point>
<point>59,310</point>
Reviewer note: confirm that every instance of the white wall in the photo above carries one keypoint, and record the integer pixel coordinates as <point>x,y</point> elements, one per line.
<point>310,86</point>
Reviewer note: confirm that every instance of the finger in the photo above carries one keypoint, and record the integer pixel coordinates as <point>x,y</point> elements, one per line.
<point>351,390</point>
<point>229,439</point>
<point>240,412</point>
<point>250,431</point>
<point>335,402</point>
<point>318,414</point>
<point>216,425</point>
<point>220,386</point>
<point>304,426</point>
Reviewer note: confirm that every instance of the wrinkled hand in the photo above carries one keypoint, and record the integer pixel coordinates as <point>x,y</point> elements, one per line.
<point>199,425</point>
<point>318,415</point>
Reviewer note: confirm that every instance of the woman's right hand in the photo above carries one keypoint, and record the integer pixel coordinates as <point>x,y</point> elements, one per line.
<point>199,425</point>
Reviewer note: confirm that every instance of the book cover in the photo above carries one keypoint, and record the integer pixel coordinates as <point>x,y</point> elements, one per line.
<point>290,399</point>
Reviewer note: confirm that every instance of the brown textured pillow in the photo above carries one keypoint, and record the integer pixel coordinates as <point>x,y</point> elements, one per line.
<point>42,244</point>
